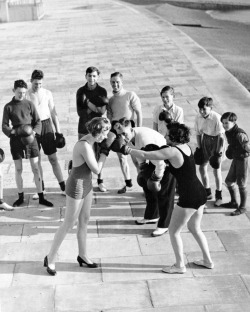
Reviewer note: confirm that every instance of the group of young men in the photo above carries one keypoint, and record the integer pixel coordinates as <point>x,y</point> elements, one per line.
<point>36,108</point>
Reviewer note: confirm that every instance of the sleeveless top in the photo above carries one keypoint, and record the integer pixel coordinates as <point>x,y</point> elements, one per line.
<point>192,193</point>
<point>79,182</point>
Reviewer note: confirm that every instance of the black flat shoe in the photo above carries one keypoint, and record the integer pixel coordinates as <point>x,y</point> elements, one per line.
<point>49,270</point>
<point>90,265</point>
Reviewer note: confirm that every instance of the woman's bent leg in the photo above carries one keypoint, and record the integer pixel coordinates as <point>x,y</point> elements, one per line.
<point>73,208</point>
<point>180,217</point>
<point>194,226</point>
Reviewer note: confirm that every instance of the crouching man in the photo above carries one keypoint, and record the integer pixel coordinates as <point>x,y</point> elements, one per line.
<point>154,177</point>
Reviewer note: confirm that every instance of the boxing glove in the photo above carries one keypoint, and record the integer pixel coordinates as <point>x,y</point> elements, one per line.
<point>215,160</point>
<point>2,155</point>
<point>105,145</point>
<point>198,156</point>
<point>60,140</point>
<point>26,140</point>
<point>165,116</point>
<point>24,131</point>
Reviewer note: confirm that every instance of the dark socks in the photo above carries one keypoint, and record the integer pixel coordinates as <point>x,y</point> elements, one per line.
<point>19,201</point>
<point>243,197</point>
<point>43,201</point>
<point>129,183</point>
<point>99,181</point>
<point>62,185</point>
<point>218,194</point>
<point>43,186</point>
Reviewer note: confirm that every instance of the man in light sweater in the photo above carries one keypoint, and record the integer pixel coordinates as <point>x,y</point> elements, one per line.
<point>20,112</point>
<point>159,198</point>
<point>44,103</point>
<point>126,104</point>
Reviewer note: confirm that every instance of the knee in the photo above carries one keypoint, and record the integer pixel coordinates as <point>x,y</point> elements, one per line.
<point>35,170</point>
<point>192,228</point>
<point>19,171</point>
<point>53,160</point>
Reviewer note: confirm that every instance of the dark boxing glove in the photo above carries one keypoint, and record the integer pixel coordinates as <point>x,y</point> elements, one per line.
<point>165,116</point>
<point>215,160</point>
<point>2,155</point>
<point>154,183</point>
<point>141,179</point>
<point>198,156</point>
<point>117,144</point>
<point>24,131</point>
<point>105,145</point>
<point>229,152</point>
<point>60,140</point>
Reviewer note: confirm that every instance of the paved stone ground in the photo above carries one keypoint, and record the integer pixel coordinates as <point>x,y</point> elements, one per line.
<point>151,53</point>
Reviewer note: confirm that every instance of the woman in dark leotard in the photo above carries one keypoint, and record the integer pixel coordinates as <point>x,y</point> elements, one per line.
<point>79,192</point>
<point>189,209</point>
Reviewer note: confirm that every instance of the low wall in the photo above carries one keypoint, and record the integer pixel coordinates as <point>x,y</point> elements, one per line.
<point>21,10</point>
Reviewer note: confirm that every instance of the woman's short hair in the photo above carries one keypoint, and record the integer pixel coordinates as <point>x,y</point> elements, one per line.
<point>96,125</point>
<point>178,133</point>
<point>230,116</point>
<point>205,101</point>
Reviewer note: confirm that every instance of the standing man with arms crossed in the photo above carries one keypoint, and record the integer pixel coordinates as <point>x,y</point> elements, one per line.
<point>21,112</point>
<point>44,103</point>
<point>91,101</point>
<point>123,104</point>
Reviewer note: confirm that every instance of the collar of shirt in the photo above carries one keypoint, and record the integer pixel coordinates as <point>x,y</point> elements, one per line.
<point>119,93</point>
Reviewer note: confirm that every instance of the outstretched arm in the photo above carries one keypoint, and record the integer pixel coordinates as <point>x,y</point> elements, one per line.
<point>161,154</point>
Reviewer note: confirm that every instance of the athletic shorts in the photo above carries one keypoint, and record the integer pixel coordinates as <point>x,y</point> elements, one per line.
<point>47,138</point>
<point>19,150</point>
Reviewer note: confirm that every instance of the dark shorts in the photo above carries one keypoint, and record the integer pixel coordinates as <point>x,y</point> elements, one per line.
<point>47,138</point>
<point>238,172</point>
<point>19,150</point>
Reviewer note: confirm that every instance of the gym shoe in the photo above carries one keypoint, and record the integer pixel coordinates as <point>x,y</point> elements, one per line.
<point>63,193</point>
<point>122,190</point>
<point>35,196</point>
<point>174,270</point>
<point>238,212</point>
<point>6,207</point>
<point>230,205</point>
<point>218,202</point>
<point>209,265</point>
<point>159,231</point>
<point>146,221</point>
<point>102,187</point>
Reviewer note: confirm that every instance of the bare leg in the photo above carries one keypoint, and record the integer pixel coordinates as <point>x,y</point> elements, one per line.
<point>124,166</point>
<point>1,182</point>
<point>194,226</point>
<point>218,178</point>
<point>73,208</point>
<point>179,219</point>
<point>40,167</point>
<point>204,175</point>
<point>36,172</point>
<point>56,167</point>
<point>83,221</point>
<point>18,174</point>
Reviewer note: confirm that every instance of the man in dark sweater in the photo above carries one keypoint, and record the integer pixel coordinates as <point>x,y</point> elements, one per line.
<point>91,101</point>
<point>16,113</point>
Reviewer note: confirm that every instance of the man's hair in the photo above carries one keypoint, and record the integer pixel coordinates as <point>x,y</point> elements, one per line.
<point>37,74</point>
<point>178,133</point>
<point>20,84</point>
<point>230,116</point>
<point>166,89</point>
<point>116,74</point>
<point>92,69</point>
<point>205,101</point>
<point>97,124</point>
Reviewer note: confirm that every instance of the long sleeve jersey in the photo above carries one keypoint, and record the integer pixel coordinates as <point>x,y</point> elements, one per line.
<point>17,113</point>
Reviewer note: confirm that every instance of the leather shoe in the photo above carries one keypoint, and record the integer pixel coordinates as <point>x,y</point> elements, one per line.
<point>159,231</point>
<point>146,221</point>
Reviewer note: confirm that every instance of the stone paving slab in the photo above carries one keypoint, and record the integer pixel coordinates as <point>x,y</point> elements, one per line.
<point>234,307</point>
<point>161,245</point>
<point>102,296</point>
<point>37,299</point>
<point>202,290</point>
<point>235,240</point>
<point>165,309</point>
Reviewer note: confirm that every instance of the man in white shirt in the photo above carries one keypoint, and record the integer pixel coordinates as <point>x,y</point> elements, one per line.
<point>159,202</point>
<point>44,103</point>
<point>126,104</point>
<point>210,144</point>
<point>167,110</point>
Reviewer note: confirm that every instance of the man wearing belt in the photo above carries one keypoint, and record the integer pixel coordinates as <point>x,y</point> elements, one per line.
<point>43,101</point>
<point>122,104</point>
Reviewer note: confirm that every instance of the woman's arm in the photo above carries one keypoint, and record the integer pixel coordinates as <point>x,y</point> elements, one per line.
<point>162,154</point>
<point>89,157</point>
